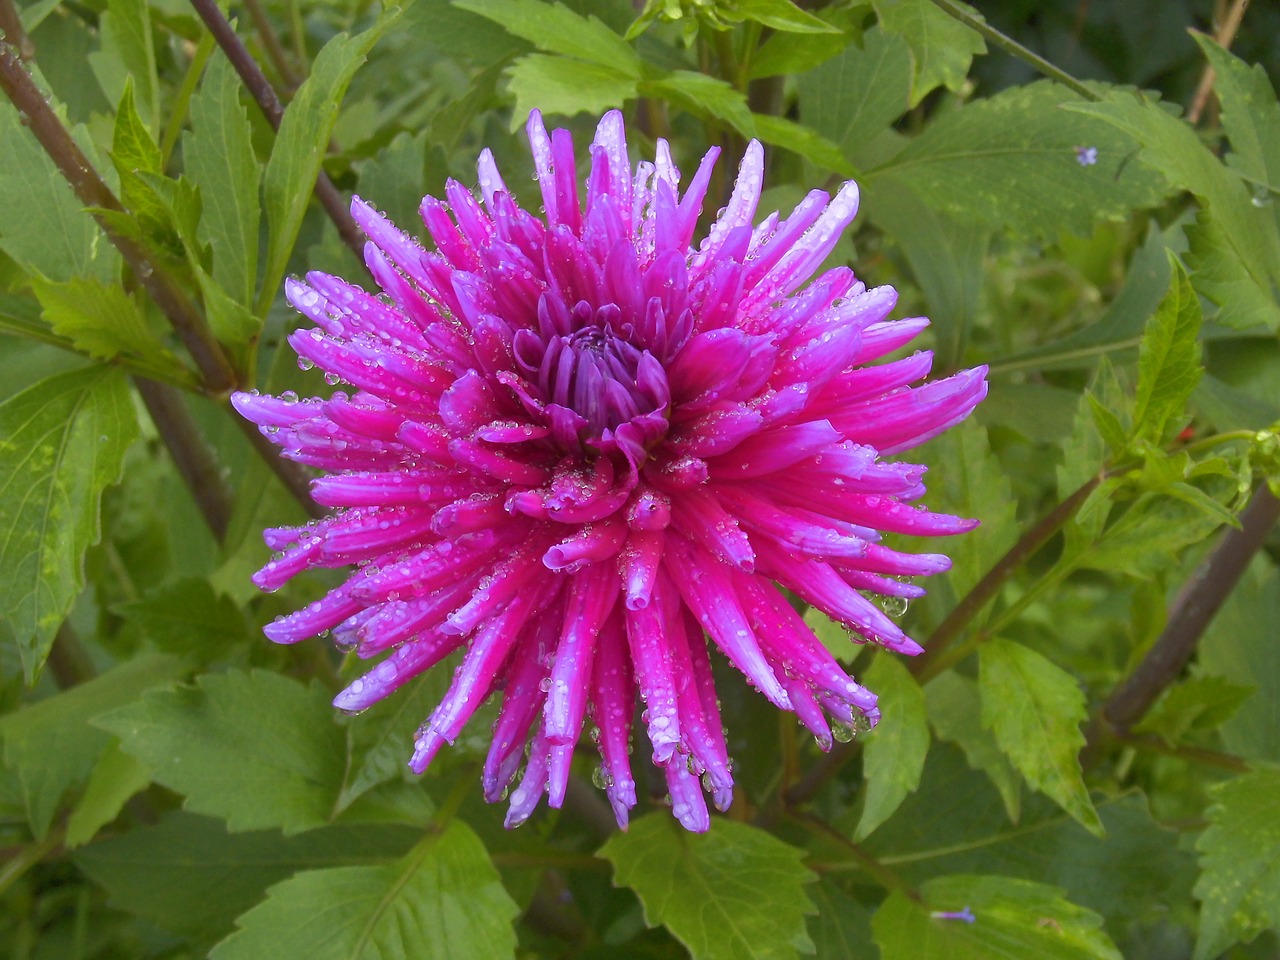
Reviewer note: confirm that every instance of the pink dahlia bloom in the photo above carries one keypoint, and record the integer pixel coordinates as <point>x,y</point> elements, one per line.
<point>577,447</point>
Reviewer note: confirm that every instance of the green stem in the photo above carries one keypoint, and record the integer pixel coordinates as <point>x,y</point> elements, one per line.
<point>877,871</point>
<point>183,99</point>
<point>27,858</point>
<point>1014,48</point>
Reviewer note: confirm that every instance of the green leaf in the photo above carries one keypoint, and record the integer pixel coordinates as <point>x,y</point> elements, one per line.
<point>1168,360</point>
<point>1147,538</point>
<point>780,15</point>
<point>842,926</point>
<point>852,97</point>
<point>1248,232</point>
<point>567,87</point>
<point>220,160</point>
<point>555,28</point>
<point>894,752</point>
<point>1194,705</point>
<point>1239,888</point>
<point>301,142</point>
<point>128,54</point>
<point>104,322</point>
<point>1012,918</point>
<point>705,95</point>
<point>1250,114</point>
<point>51,744</point>
<point>1035,709</point>
<point>44,227</point>
<point>134,152</point>
<point>707,889</point>
<point>62,442</point>
<point>793,53</point>
<point>942,48</point>
<point>955,710</point>
<point>115,779</point>
<point>1224,278</point>
<point>1242,645</point>
<point>781,132</point>
<point>186,617</point>
<point>443,900</point>
<point>258,749</point>
<point>189,876</point>
<point>1009,161</point>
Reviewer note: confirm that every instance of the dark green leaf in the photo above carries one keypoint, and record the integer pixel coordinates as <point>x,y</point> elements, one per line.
<point>1010,162</point>
<point>220,160</point>
<point>300,145</point>
<point>443,900</point>
<point>1012,918</point>
<point>1250,115</point>
<point>62,442</point>
<point>128,54</point>
<point>708,889</point>
<point>1239,888</point>
<point>188,875</point>
<point>1168,360</point>
<point>187,617</point>
<point>1197,704</point>
<point>942,48</point>
<point>894,752</point>
<point>791,53</point>
<point>258,749</point>
<point>1035,709</point>
<point>116,777</point>
<point>51,744</point>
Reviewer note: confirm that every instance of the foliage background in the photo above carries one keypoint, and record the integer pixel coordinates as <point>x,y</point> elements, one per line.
<point>1085,758</point>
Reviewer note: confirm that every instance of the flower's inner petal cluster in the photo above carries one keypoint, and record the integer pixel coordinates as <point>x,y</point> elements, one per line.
<point>576,448</point>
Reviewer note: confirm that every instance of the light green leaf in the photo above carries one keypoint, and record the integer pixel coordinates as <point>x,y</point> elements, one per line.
<point>789,135</point>
<point>128,54</point>
<point>706,95</point>
<point>220,160</point>
<point>1171,147</point>
<point>794,53</point>
<point>134,152</point>
<point>894,752</point>
<point>1196,704</point>
<point>782,15</point>
<point>1168,360</point>
<point>188,875</point>
<point>301,142</point>
<point>1012,918</point>
<point>258,749</point>
<point>555,28</point>
<point>1009,161</point>
<point>567,87</point>
<point>115,779</point>
<point>1239,888</point>
<point>1250,114</point>
<point>62,442</point>
<point>1224,279</point>
<point>44,227</point>
<point>51,744</point>
<point>443,900</point>
<point>104,322</point>
<point>852,97</point>
<point>1035,709</point>
<point>942,48</point>
<point>955,710</point>
<point>1146,540</point>
<point>707,889</point>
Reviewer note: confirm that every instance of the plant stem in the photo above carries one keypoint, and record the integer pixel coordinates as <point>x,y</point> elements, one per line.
<point>195,461</point>
<point>986,589</point>
<point>12,32</point>
<point>271,43</point>
<point>881,874</point>
<point>269,103</point>
<point>1192,754</point>
<point>181,102</point>
<point>1014,48</point>
<point>215,368</point>
<point>1200,599</point>
<point>27,858</point>
<point>1225,36</point>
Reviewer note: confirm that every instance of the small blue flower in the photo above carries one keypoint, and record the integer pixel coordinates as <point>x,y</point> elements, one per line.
<point>966,915</point>
<point>1086,156</point>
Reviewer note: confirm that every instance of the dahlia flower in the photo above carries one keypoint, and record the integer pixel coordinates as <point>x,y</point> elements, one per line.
<point>576,447</point>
